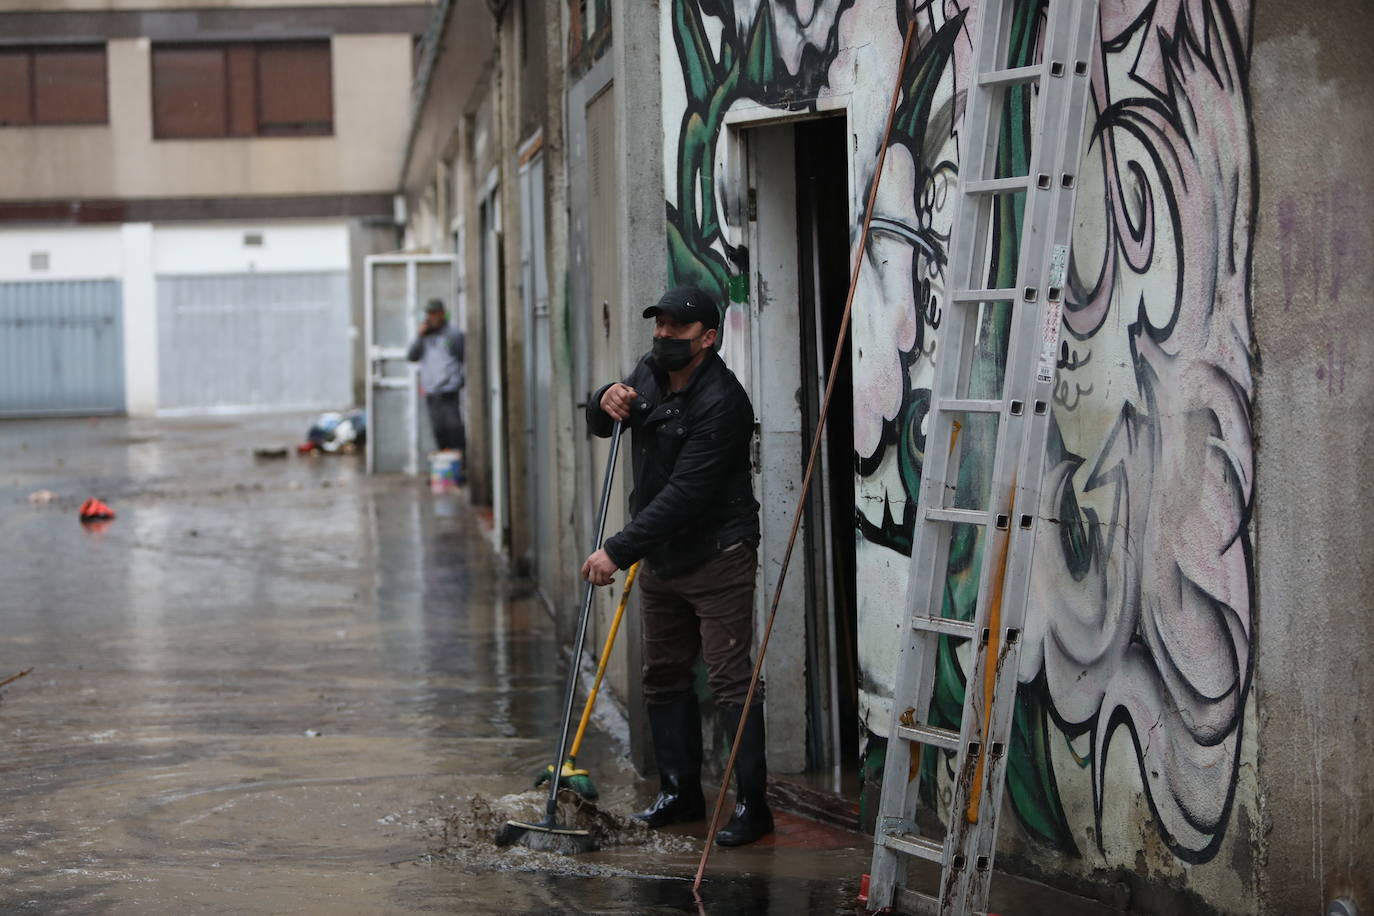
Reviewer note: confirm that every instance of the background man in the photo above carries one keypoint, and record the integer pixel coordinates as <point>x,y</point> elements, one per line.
<point>438,349</point>
<point>696,526</point>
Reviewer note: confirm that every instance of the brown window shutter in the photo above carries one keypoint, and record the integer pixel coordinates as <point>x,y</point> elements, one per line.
<point>243,91</point>
<point>190,92</point>
<point>295,89</point>
<point>69,86</point>
<point>16,88</point>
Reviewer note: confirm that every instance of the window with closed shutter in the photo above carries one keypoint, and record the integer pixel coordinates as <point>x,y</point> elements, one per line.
<point>189,96</point>
<point>243,89</point>
<point>53,85</point>
<point>16,102</point>
<point>69,86</point>
<point>295,94</point>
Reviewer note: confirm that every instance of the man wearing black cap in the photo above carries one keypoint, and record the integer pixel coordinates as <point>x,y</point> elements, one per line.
<point>695,525</point>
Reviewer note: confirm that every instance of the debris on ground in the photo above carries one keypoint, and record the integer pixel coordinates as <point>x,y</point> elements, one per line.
<point>270,453</point>
<point>93,510</point>
<point>41,497</point>
<point>467,833</point>
<point>14,677</point>
<point>336,433</point>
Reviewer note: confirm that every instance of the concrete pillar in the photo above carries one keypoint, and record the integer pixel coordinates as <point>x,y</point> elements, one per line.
<point>140,320</point>
<point>642,232</point>
<point>566,418</point>
<point>508,144</point>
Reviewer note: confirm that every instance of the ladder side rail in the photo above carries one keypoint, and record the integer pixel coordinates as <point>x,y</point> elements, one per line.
<point>970,815</point>
<point>925,597</point>
<point>1057,136</point>
<point>926,585</point>
<point>930,544</point>
<point>1069,160</point>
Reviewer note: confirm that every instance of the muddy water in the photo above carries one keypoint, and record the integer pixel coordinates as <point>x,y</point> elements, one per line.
<point>280,687</point>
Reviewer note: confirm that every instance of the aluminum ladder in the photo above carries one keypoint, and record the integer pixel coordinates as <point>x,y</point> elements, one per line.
<point>1014,423</point>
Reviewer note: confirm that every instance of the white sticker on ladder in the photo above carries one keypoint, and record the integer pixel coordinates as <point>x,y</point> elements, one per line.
<point>1059,265</point>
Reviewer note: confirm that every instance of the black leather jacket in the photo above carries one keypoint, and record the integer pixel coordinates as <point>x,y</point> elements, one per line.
<point>693,495</point>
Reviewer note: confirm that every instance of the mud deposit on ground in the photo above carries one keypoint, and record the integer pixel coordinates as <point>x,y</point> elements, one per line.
<point>465,833</point>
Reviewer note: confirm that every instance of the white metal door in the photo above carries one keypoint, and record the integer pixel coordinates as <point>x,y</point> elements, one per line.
<point>61,348</point>
<point>776,379</point>
<point>231,343</point>
<point>493,324</point>
<point>398,286</point>
<point>539,376</point>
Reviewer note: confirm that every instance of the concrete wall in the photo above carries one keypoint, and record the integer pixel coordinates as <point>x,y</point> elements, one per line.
<point>121,159</point>
<point>639,185</point>
<point>1313,86</point>
<point>457,79</point>
<point>137,254</point>
<point>1135,759</point>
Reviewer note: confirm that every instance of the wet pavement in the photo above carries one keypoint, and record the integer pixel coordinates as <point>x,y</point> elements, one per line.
<point>278,686</point>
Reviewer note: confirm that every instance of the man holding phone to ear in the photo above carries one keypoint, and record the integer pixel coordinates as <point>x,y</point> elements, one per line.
<point>438,348</point>
<point>695,525</point>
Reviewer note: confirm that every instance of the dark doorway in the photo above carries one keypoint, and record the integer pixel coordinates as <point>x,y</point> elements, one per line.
<point>823,223</point>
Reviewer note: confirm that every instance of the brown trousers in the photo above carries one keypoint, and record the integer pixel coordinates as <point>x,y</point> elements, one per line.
<point>708,610</point>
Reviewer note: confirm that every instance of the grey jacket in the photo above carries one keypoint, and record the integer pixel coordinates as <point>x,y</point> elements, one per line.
<point>440,355</point>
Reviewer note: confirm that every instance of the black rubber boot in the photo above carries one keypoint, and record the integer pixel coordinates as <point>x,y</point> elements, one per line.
<point>676,731</point>
<point>751,819</point>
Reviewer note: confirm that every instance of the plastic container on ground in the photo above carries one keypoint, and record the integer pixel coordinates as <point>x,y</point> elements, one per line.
<point>445,470</point>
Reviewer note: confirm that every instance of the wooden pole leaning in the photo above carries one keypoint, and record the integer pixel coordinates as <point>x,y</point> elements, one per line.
<point>815,451</point>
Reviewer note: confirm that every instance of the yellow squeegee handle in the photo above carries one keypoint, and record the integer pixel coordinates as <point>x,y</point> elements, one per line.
<point>605,657</point>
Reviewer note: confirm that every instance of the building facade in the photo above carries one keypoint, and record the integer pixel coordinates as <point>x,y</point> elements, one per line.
<point>190,191</point>
<point>1190,734</point>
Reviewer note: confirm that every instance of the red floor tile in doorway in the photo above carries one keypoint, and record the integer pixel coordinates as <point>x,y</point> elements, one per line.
<point>793,832</point>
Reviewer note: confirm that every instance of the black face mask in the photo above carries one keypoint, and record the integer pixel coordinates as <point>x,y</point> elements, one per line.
<point>673,353</point>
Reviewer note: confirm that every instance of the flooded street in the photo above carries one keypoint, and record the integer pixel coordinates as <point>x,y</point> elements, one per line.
<point>278,686</point>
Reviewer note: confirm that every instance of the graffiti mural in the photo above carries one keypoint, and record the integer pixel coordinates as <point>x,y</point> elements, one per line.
<point>1141,620</point>
<point>769,54</point>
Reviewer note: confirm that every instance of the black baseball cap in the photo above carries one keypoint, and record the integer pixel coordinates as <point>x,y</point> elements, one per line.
<point>687,304</point>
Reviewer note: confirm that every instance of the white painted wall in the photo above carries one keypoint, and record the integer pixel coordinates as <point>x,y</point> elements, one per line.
<point>121,253</point>
<point>78,253</point>
<point>220,248</point>
<point>137,253</point>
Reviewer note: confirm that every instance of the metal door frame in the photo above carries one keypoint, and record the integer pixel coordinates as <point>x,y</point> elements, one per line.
<point>533,263</point>
<point>375,354</point>
<point>491,233</point>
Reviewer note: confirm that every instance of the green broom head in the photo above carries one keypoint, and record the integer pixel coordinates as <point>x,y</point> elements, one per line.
<point>580,781</point>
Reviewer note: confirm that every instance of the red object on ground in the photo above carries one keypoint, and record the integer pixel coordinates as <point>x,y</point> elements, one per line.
<point>93,510</point>
<point>863,889</point>
<point>305,448</point>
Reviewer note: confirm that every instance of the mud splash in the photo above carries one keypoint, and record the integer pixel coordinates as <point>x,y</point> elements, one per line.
<point>465,833</point>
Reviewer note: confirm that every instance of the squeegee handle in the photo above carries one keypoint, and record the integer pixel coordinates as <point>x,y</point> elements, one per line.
<point>552,807</point>
<point>605,658</point>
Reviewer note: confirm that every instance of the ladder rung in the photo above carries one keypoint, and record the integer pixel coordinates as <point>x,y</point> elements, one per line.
<point>959,516</point>
<point>983,295</point>
<point>929,734</point>
<point>914,845</point>
<point>946,625</point>
<point>1011,77</point>
<point>998,185</point>
<point>915,902</point>
<point>965,405</point>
